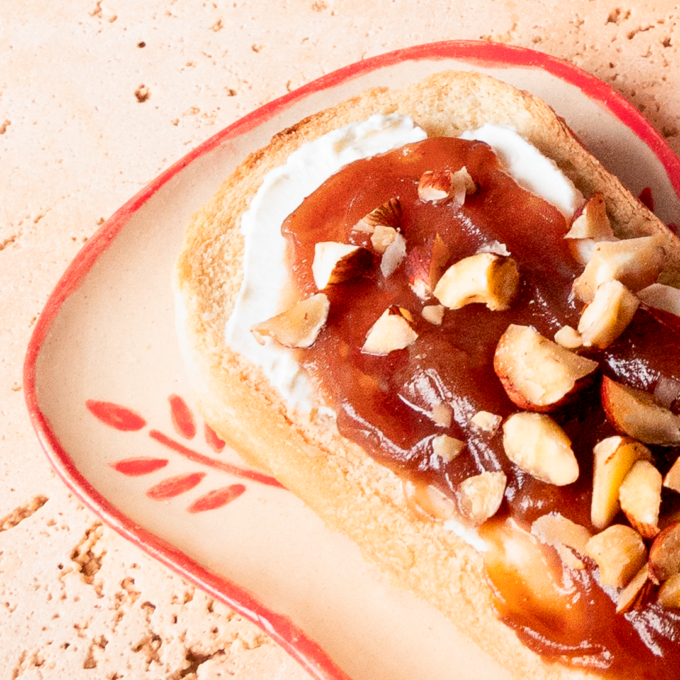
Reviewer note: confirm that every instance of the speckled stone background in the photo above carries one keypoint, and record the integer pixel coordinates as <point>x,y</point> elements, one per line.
<point>96,98</point>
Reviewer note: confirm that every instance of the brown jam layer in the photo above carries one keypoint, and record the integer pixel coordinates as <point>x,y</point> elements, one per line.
<point>383,402</point>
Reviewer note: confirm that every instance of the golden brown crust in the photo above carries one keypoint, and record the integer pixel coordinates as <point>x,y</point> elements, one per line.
<point>345,487</point>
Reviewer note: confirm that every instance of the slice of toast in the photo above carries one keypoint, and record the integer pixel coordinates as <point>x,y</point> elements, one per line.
<point>334,476</point>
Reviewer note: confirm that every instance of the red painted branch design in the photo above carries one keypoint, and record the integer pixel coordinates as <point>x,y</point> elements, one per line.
<point>211,462</point>
<point>126,420</point>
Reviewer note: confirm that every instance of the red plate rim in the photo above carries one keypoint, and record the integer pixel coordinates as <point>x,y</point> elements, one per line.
<point>487,54</point>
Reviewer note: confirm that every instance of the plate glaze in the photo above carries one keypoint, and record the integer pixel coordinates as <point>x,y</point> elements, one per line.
<point>111,404</point>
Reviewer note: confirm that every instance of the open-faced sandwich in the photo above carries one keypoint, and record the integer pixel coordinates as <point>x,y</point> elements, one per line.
<point>436,318</point>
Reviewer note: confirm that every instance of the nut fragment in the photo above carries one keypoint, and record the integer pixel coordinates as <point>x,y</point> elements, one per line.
<point>640,497</point>
<point>614,457</point>
<point>434,314</point>
<point>669,593</point>
<point>425,264</point>
<point>636,592</point>
<point>664,555</point>
<point>386,215</point>
<point>337,262</point>
<point>591,220</point>
<point>434,186</point>
<point>298,326</point>
<point>620,553</point>
<point>462,185</point>
<point>661,296</point>
<point>484,278</point>
<point>485,421</point>
<point>390,332</point>
<point>480,496</point>
<point>538,374</point>
<point>569,338</point>
<point>393,255</point>
<point>442,414</point>
<point>635,262</point>
<point>582,249</point>
<point>608,315</point>
<point>382,237</point>
<point>447,447</point>
<point>636,413</point>
<point>540,447</point>
<point>564,535</point>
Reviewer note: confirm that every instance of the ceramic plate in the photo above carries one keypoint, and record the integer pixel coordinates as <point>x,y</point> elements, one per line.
<point>112,406</point>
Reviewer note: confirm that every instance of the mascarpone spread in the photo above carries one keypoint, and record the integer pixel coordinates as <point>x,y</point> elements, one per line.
<point>529,167</point>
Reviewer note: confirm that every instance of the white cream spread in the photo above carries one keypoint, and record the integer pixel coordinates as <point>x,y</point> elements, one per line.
<point>266,273</point>
<point>529,167</point>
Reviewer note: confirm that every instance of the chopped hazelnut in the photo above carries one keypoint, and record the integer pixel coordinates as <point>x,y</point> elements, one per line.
<point>614,457</point>
<point>434,314</point>
<point>538,374</point>
<point>540,447</point>
<point>480,496</point>
<point>447,448</point>
<point>442,414</point>
<point>564,535</point>
<point>298,326</point>
<point>386,215</point>
<point>636,413</point>
<point>484,278</point>
<point>591,221</point>
<point>337,262</point>
<point>382,237</point>
<point>664,555</point>
<point>635,262</point>
<point>569,338</point>
<point>640,498</point>
<point>485,421</point>
<point>608,315</point>
<point>393,255</point>
<point>620,553</point>
<point>392,331</point>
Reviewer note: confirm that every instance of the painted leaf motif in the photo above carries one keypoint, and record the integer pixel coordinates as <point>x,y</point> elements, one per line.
<point>115,416</point>
<point>143,465</point>
<point>217,498</point>
<point>182,417</point>
<point>174,486</point>
<point>213,440</point>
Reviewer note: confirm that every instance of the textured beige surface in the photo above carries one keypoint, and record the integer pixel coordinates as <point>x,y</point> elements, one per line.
<point>95,99</point>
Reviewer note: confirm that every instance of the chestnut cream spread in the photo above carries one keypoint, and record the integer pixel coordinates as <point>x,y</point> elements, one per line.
<point>415,374</point>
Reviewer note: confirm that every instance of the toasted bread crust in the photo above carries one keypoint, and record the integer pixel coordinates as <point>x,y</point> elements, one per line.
<point>335,477</point>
